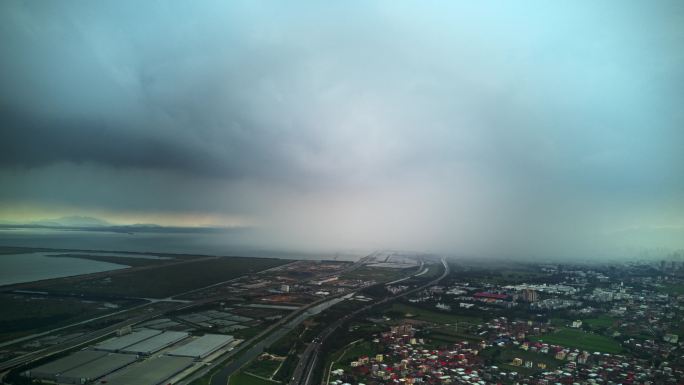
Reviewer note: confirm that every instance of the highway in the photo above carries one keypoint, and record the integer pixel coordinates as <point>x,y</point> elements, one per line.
<point>100,333</point>
<point>281,328</point>
<point>307,363</point>
<point>81,340</point>
<point>303,371</point>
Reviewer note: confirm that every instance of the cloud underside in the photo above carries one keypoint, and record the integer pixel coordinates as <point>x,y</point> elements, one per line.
<point>482,128</point>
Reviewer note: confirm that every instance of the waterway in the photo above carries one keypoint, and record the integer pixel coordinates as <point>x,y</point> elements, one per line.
<point>221,378</point>
<point>29,267</point>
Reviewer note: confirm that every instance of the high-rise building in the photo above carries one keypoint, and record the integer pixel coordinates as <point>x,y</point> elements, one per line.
<point>529,295</point>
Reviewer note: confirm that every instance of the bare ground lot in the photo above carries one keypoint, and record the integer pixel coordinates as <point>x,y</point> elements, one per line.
<point>161,280</point>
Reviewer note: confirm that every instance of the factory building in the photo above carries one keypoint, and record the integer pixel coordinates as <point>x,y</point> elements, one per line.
<point>153,371</point>
<point>93,370</point>
<point>119,343</point>
<point>202,346</point>
<point>156,343</point>
<point>52,370</point>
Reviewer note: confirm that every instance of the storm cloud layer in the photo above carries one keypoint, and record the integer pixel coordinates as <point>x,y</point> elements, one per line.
<point>492,128</point>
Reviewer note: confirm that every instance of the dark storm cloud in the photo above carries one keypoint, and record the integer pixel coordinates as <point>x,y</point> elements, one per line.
<point>485,127</point>
<point>29,141</point>
<point>81,88</point>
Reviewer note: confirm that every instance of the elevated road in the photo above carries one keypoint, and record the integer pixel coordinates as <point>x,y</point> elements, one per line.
<point>303,374</point>
<point>138,314</point>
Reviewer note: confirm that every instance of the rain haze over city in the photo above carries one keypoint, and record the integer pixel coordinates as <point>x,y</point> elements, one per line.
<point>542,129</point>
<point>342,192</point>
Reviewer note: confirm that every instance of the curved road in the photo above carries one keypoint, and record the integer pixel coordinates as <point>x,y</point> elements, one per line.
<point>304,371</point>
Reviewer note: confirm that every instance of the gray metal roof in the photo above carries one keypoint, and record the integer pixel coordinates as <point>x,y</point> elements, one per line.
<point>100,367</point>
<point>156,343</point>
<point>63,364</point>
<point>118,343</point>
<point>153,371</point>
<point>202,346</point>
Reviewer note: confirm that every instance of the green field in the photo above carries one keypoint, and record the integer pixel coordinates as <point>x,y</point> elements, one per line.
<point>248,333</point>
<point>603,321</point>
<point>449,335</point>
<point>241,378</point>
<point>283,346</point>
<point>415,312</point>
<point>506,356</point>
<point>22,315</point>
<point>560,322</point>
<point>263,368</point>
<point>673,289</point>
<point>342,358</point>
<point>353,352</point>
<point>574,338</point>
<point>164,280</point>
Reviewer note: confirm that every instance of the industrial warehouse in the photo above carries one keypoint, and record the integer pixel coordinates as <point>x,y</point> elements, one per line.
<point>153,371</point>
<point>82,367</point>
<point>118,343</point>
<point>202,346</point>
<point>51,370</point>
<point>96,369</point>
<point>156,343</point>
<point>141,357</point>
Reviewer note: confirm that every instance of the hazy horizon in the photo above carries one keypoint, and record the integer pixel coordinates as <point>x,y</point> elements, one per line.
<point>522,130</point>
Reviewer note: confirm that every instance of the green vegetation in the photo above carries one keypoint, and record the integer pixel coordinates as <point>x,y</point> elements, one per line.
<point>575,338</point>
<point>415,312</point>
<point>672,289</point>
<point>283,346</point>
<point>287,368</point>
<point>506,273</point>
<point>351,352</point>
<point>263,368</point>
<point>448,335</point>
<point>22,315</point>
<point>248,333</point>
<point>242,378</point>
<point>165,280</point>
<point>602,321</point>
<point>559,322</point>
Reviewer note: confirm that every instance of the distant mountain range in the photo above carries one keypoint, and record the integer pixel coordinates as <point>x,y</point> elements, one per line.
<point>84,223</point>
<point>74,220</point>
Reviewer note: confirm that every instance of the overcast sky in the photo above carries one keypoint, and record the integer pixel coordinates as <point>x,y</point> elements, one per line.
<point>476,128</point>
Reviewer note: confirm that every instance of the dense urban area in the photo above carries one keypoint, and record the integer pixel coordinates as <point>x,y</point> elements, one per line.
<point>387,318</point>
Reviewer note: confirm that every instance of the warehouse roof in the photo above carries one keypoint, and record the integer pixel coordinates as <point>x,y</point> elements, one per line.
<point>202,346</point>
<point>156,343</point>
<point>69,362</point>
<point>100,367</point>
<point>153,371</point>
<point>118,343</point>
